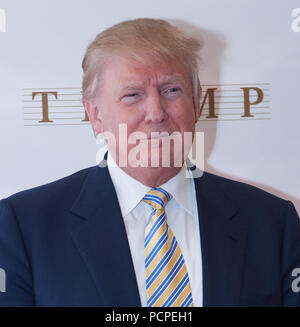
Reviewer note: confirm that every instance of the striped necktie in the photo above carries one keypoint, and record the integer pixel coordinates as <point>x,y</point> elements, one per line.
<point>167,280</point>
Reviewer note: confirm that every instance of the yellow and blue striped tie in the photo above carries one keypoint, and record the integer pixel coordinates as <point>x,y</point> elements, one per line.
<point>167,280</point>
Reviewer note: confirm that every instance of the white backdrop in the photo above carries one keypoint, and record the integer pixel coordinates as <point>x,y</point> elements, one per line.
<point>247,44</point>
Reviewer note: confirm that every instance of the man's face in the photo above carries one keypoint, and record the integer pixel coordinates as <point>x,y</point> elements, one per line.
<point>148,98</point>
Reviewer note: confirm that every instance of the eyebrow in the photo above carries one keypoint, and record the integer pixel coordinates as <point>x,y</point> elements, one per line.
<point>132,85</point>
<point>174,78</point>
<point>167,79</point>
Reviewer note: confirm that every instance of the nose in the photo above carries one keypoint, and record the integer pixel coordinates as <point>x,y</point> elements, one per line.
<point>155,108</point>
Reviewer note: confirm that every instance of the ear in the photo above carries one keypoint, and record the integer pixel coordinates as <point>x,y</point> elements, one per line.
<point>93,112</point>
<point>196,101</point>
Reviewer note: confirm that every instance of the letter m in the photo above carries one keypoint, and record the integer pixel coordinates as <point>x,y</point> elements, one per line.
<point>2,20</point>
<point>2,281</point>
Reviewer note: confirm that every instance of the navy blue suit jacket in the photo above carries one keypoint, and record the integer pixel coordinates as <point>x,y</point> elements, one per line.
<point>65,244</point>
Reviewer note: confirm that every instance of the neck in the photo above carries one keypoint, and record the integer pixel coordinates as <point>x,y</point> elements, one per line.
<point>152,176</point>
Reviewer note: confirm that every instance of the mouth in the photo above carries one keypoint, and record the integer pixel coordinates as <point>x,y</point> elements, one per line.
<point>156,137</point>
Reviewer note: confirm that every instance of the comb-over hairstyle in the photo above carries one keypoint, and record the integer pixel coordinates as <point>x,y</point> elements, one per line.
<point>144,40</point>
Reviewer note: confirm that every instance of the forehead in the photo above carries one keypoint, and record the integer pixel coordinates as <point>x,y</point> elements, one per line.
<point>128,72</point>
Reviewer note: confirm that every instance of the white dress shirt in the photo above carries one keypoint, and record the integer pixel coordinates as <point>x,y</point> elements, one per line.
<point>182,218</point>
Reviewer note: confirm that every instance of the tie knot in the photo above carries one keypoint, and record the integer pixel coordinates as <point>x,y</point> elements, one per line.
<point>157,198</point>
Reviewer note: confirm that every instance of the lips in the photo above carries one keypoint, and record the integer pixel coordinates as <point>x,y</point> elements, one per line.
<point>155,137</point>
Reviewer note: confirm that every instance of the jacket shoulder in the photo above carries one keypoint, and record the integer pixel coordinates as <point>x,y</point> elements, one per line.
<point>255,206</point>
<point>63,187</point>
<point>240,190</point>
<point>251,201</point>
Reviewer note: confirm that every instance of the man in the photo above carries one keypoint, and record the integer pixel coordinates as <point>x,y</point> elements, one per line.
<point>138,231</point>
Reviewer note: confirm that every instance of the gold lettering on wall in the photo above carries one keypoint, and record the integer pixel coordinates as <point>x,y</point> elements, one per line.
<point>210,94</point>
<point>44,105</point>
<point>86,117</point>
<point>247,102</point>
<point>220,102</point>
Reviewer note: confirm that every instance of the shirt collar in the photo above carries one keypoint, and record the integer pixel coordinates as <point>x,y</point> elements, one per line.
<point>130,191</point>
<point>181,188</point>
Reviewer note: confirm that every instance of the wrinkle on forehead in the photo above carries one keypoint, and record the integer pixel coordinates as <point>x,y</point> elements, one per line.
<point>165,79</point>
<point>139,75</point>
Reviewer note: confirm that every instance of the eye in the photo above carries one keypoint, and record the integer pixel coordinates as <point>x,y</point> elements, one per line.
<point>131,97</point>
<point>173,89</point>
<point>172,92</point>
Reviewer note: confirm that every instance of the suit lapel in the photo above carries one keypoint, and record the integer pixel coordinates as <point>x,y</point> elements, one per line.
<point>223,243</point>
<point>102,241</point>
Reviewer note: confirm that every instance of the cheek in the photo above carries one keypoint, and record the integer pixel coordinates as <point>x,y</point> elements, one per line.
<point>125,123</point>
<point>183,115</point>
<point>132,119</point>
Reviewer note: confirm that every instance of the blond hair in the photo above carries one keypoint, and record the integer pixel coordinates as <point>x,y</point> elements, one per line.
<point>142,39</point>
